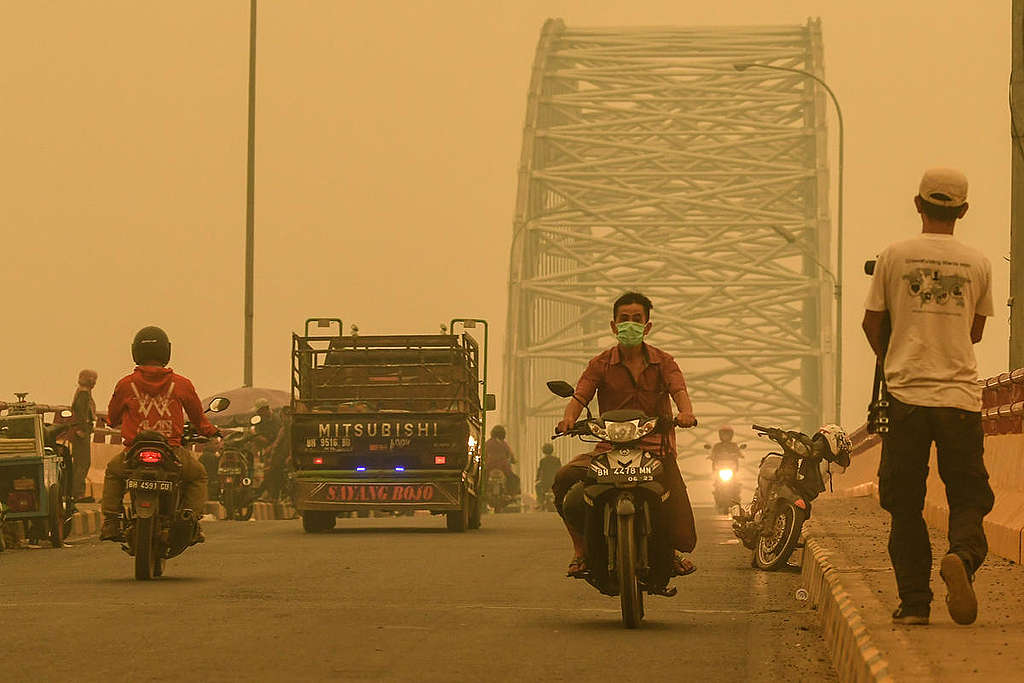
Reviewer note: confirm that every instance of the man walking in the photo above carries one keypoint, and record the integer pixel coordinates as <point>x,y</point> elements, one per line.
<point>934,293</point>
<point>83,409</point>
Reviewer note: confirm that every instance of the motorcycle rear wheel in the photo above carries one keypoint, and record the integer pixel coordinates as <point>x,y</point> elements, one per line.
<point>229,502</point>
<point>145,552</point>
<point>630,596</point>
<point>772,552</point>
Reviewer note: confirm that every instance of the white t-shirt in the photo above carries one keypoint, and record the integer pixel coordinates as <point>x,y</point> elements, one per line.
<point>933,286</point>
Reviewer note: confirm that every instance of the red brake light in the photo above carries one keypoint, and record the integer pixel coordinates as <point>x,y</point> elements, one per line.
<point>318,460</point>
<point>150,456</point>
<point>440,459</point>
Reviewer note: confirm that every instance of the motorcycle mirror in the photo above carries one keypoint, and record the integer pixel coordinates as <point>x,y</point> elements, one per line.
<point>255,420</point>
<point>218,404</point>
<point>561,388</point>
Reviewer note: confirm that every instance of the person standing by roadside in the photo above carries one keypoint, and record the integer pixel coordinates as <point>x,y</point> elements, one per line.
<point>83,409</point>
<point>272,441</point>
<point>933,292</point>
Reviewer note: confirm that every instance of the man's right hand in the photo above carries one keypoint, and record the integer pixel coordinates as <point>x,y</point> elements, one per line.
<point>563,426</point>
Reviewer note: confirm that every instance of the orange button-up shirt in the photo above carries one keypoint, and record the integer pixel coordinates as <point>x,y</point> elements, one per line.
<point>617,389</point>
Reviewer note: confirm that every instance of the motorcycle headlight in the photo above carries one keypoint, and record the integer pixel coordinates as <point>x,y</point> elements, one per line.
<point>622,432</point>
<point>725,475</point>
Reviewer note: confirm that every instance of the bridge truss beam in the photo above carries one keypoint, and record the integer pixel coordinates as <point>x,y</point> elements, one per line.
<point>649,163</point>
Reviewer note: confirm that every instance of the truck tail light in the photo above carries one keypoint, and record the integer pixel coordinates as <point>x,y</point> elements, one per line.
<point>21,501</point>
<point>440,459</point>
<point>150,457</point>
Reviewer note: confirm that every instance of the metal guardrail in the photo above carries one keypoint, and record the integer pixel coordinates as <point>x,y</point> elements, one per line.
<point>1002,409</point>
<point>1002,402</point>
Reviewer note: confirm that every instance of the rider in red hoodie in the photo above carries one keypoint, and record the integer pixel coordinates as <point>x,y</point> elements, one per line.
<point>154,398</point>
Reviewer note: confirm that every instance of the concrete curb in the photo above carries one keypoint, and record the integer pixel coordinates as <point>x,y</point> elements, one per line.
<point>86,523</point>
<point>854,656</point>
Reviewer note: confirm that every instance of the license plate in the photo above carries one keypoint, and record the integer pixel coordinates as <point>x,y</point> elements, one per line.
<point>378,493</point>
<point>149,485</point>
<point>633,471</point>
<point>626,475</point>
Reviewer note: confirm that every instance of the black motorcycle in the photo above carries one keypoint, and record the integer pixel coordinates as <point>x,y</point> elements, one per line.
<point>787,483</point>
<point>236,490</point>
<point>157,528</point>
<point>620,507</point>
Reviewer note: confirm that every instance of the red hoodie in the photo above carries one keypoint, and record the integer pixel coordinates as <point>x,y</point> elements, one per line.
<point>155,398</point>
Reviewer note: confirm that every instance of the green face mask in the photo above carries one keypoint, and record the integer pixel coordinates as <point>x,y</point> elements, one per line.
<point>630,333</point>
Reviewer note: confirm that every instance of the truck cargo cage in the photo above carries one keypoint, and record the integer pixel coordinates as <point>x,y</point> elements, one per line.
<point>392,373</point>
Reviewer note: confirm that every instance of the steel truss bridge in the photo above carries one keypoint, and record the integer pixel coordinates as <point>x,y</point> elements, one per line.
<point>650,163</point>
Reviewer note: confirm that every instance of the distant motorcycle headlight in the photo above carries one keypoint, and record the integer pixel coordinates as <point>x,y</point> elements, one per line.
<point>725,475</point>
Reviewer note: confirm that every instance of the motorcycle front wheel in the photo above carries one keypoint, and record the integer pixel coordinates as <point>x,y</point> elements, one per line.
<point>630,596</point>
<point>774,548</point>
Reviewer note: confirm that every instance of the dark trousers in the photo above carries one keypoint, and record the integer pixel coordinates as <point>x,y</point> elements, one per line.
<point>683,530</point>
<point>81,458</point>
<point>902,477</point>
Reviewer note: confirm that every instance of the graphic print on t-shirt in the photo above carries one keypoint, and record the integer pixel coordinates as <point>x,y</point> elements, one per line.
<point>932,285</point>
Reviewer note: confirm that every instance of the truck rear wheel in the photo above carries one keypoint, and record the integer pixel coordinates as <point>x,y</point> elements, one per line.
<point>458,520</point>
<point>474,512</point>
<point>318,521</point>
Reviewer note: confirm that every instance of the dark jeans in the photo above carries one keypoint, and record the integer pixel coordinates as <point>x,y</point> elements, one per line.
<point>81,457</point>
<point>902,477</point>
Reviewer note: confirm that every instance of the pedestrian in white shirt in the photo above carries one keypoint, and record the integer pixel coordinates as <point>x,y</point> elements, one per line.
<point>935,293</point>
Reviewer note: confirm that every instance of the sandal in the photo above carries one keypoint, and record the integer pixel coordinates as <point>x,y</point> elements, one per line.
<point>577,568</point>
<point>683,566</point>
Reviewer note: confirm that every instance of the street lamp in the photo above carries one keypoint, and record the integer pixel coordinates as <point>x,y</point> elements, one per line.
<point>839,236</point>
<point>250,179</point>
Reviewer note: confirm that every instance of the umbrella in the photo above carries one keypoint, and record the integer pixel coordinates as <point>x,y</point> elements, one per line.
<point>242,400</point>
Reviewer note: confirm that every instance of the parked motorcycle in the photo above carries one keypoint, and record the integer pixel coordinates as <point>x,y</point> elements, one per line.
<point>620,507</point>
<point>237,492</point>
<point>787,483</point>
<point>156,526</point>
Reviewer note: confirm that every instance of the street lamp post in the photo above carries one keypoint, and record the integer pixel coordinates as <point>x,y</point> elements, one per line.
<point>839,221</point>
<point>250,173</point>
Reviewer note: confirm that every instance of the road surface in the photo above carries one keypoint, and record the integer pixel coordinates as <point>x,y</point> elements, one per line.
<point>394,599</point>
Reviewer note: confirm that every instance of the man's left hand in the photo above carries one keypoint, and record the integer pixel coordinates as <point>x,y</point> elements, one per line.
<point>686,420</point>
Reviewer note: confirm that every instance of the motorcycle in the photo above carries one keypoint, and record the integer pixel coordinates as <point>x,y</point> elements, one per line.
<point>235,475</point>
<point>497,491</point>
<point>787,483</point>
<point>620,507</point>
<point>156,526</point>
<point>726,485</point>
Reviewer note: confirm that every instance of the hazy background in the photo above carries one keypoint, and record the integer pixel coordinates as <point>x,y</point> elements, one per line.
<point>388,138</point>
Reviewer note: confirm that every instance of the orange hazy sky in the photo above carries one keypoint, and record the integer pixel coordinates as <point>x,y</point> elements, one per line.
<point>388,138</point>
